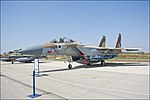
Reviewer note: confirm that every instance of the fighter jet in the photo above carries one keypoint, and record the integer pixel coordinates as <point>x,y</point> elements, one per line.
<point>75,51</point>
<point>25,59</point>
<point>17,57</point>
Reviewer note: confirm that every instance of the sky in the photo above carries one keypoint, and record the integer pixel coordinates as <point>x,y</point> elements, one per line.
<point>29,23</point>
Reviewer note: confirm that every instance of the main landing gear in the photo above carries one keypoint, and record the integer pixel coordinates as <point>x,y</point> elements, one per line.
<point>70,66</point>
<point>103,63</point>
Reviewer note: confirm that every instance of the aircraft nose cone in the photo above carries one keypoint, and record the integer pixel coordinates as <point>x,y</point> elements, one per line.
<point>35,50</point>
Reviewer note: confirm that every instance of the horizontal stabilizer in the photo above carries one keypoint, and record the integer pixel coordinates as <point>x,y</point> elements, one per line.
<point>132,49</point>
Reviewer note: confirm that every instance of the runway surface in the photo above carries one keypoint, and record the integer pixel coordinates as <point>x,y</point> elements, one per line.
<point>56,81</point>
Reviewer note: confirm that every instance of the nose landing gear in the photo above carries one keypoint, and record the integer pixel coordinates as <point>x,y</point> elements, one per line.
<point>70,66</point>
<point>70,60</point>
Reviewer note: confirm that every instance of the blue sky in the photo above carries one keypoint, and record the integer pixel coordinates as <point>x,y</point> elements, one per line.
<point>28,23</point>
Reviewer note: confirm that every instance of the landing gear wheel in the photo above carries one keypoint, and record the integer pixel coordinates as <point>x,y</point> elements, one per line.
<point>103,63</point>
<point>89,64</point>
<point>70,66</point>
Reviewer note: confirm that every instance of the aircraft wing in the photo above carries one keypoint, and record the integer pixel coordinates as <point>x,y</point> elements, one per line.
<point>103,48</point>
<point>96,47</point>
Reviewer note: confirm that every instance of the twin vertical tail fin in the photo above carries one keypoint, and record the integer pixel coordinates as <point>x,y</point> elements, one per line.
<point>103,42</point>
<point>118,43</point>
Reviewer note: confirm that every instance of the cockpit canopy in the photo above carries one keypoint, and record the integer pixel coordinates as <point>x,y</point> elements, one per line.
<point>62,40</point>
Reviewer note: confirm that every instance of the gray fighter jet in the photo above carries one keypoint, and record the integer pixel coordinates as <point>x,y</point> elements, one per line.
<point>75,51</point>
<point>17,57</point>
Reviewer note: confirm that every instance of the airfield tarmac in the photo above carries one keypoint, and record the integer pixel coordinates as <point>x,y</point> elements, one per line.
<point>114,81</point>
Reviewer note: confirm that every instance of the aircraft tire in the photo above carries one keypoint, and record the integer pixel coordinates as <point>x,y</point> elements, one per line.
<point>70,66</point>
<point>103,63</point>
<point>12,62</point>
<point>89,64</point>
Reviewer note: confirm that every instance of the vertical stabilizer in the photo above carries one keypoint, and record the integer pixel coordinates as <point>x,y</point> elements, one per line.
<point>118,43</point>
<point>103,42</point>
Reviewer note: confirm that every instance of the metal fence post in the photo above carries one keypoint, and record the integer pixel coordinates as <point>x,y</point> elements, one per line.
<point>33,95</point>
